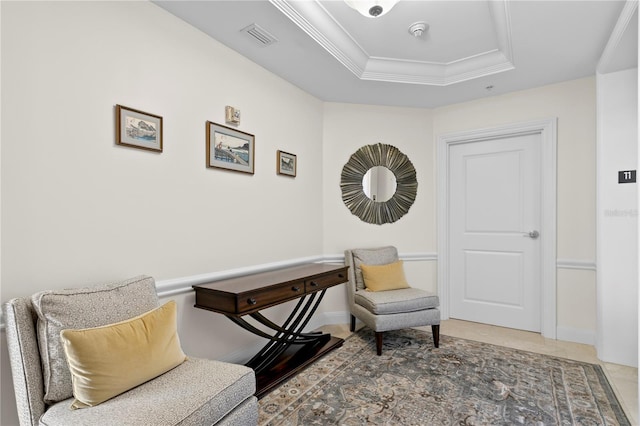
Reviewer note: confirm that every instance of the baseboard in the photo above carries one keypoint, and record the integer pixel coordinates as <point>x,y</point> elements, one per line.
<point>241,356</point>
<point>576,335</point>
<point>328,318</point>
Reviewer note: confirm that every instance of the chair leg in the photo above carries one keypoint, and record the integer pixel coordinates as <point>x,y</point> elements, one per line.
<point>352,327</point>
<point>379,342</point>
<point>435,330</point>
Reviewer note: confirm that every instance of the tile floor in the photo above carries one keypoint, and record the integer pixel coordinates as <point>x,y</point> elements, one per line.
<point>624,380</point>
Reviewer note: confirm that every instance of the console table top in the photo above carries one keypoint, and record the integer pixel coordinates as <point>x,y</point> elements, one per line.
<point>262,280</point>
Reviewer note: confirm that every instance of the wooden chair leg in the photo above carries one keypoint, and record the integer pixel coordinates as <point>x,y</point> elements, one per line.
<point>435,330</point>
<point>379,343</point>
<point>352,326</point>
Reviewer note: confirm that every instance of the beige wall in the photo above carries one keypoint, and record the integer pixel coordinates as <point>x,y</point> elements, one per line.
<point>78,210</point>
<point>574,105</point>
<point>414,131</point>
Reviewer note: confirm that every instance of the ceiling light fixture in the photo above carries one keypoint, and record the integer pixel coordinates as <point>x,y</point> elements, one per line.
<point>371,8</point>
<point>418,29</point>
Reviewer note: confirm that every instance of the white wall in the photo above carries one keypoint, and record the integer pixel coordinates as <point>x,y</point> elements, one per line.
<point>617,218</point>
<point>78,210</point>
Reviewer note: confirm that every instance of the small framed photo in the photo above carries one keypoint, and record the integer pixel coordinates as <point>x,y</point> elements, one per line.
<point>229,148</point>
<point>287,164</point>
<point>232,115</point>
<point>138,129</point>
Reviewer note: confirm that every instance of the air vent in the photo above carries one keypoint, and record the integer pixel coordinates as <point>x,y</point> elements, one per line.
<point>259,35</point>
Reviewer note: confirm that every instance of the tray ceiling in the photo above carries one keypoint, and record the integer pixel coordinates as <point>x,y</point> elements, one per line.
<point>471,49</point>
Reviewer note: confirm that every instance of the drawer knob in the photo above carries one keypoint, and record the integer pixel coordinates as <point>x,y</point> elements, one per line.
<point>314,284</point>
<point>295,288</point>
<point>252,301</point>
<point>340,276</point>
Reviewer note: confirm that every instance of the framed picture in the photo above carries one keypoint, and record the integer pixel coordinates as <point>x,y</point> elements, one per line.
<point>287,164</point>
<point>229,148</point>
<point>138,129</point>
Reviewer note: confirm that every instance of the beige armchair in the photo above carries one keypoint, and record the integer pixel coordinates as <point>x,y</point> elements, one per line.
<point>389,309</point>
<point>195,392</point>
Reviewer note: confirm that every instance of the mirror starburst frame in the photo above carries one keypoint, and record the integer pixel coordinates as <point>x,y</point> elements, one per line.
<point>353,194</point>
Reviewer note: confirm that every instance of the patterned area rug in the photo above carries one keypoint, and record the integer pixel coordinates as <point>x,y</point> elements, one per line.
<point>461,383</point>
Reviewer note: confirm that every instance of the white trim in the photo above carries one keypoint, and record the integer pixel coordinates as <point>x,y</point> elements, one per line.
<point>576,335</point>
<point>409,257</point>
<point>175,286</point>
<point>312,18</point>
<point>585,265</point>
<point>616,36</point>
<point>171,287</point>
<point>417,257</point>
<point>547,129</point>
<point>241,356</point>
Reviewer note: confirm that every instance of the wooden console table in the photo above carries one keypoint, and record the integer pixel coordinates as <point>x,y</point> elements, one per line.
<point>289,349</point>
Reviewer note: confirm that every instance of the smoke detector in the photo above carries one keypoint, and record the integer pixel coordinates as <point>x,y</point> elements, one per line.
<point>418,28</point>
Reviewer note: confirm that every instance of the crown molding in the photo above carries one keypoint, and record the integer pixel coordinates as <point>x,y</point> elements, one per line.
<point>617,35</point>
<point>320,25</point>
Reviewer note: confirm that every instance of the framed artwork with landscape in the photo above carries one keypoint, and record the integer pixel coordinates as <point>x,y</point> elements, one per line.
<point>138,129</point>
<point>229,148</point>
<point>286,164</point>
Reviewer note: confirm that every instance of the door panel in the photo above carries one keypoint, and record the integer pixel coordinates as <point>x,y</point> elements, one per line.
<point>494,204</point>
<point>503,269</point>
<point>497,209</point>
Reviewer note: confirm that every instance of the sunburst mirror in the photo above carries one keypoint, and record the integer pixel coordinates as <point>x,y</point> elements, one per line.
<point>379,184</point>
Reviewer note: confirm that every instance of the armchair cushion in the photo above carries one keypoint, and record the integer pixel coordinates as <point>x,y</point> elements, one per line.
<point>82,308</point>
<point>396,301</point>
<point>109,360</point>
<point>384,277</point>
<point>373,256</point>
<point>195,393</point>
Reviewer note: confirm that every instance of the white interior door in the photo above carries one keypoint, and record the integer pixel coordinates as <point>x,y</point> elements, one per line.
<point>494,224</point>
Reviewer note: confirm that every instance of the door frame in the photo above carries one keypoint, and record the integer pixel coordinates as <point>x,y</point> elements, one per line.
<point>547,129</point>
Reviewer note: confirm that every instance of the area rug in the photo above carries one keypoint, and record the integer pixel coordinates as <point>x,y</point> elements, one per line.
<point>461,383</point>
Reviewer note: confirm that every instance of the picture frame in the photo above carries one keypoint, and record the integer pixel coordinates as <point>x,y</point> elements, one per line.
<point>287,163</point>
<point>229,148</point>
<point>138,129</point>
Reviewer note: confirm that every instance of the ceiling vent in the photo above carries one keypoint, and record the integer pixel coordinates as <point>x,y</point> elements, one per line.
<point>259,35</point>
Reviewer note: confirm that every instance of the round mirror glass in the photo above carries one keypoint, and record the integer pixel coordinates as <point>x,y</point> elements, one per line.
<point>379,184</point>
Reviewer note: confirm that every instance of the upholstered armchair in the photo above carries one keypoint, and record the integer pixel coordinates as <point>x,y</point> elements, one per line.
<point>57,343</point>
<point>380,297</point>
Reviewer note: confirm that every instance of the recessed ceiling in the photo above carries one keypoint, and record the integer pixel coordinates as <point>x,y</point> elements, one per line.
<point>456,47</point>
<point>332,52</point>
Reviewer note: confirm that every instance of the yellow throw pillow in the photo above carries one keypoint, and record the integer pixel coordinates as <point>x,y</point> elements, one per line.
<point>109,360</point>
<point>384,277</point>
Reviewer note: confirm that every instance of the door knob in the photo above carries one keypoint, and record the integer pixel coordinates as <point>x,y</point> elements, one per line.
<point>533,234</point>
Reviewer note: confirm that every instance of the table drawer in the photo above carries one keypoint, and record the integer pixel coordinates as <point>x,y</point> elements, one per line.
<point>258,299</point>
<point>322,282</point>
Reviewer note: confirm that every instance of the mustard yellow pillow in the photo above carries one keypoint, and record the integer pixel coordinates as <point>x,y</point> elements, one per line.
<point>384,277</point>
<point>109,360</point>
